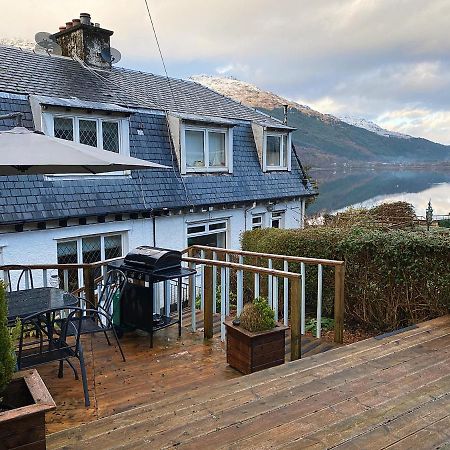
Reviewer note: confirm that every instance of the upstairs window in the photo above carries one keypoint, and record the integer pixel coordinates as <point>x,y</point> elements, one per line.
<point>277,151</point>
<point>101,133</point>
<point>206,149</point>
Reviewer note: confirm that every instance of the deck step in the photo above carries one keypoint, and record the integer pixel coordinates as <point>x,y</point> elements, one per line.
<point>396,375</point>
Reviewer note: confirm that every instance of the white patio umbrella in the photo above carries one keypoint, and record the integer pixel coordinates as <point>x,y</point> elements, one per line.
<point>25,152</point>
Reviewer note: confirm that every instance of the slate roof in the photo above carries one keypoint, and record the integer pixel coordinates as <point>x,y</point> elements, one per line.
<point>64,77</point>
<point>35,198</point>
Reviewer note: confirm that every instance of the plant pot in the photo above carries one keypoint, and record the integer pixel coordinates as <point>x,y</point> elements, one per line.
<point>23,426</point>
<point>249,352</point>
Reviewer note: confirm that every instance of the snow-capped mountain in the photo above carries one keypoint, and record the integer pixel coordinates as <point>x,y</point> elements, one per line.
<point>371,126</point>
<point>323,139</point>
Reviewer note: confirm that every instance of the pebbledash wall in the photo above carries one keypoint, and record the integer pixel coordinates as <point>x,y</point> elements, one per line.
<point>40,246</point>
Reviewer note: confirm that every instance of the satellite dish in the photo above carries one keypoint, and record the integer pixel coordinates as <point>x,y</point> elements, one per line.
<point>45,43</point>
<point>110,55</point>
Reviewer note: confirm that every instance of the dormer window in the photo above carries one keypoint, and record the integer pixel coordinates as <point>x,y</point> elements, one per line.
<point>277,151</point>
<point>206,149</point>
<point>95,132</point>
<point>273,146</point>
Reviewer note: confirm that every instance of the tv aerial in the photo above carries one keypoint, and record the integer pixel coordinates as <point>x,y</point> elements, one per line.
<point>110,55</point>
<point>46,44</point>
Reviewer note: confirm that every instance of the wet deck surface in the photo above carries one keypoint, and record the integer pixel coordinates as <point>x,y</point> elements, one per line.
<point>173,366</point>
<point>382,392</point>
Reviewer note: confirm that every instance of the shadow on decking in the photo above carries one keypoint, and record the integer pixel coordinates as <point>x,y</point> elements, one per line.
<point>171,367</point>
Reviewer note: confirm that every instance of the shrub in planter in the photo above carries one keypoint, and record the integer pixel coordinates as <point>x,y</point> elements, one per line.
<point>255,341</point>
<point>24,399</point>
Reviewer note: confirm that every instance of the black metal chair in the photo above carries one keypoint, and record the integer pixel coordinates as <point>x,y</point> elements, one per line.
<point>26,275</point>
<point>60,332</point>
<point>98,318</point>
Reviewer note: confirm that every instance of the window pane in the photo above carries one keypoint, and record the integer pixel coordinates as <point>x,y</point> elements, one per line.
<point>195,148</point>
<point>211,240</point>
<point>196,229</point>
<point>63,128</point>
<point>113,246</point>
<point>67,254</point>
<point>273,150</point>
<point>91,249</point>
<point>217,149</point>
<point>218,226</point>
<point>88,132</point>
<point>285,151</point>
<point>110,136</point>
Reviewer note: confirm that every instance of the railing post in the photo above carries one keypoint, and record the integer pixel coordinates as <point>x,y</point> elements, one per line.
<point>270,285</point>
<point>208,302</point>
<point>303,294</point>
<point>286,295</point>
<point>240,287</point>
<point>319,300</point>
<point>222,303</point>
<point>295,318</point>
<point>214,283</point>
<point>339,284</point>
<point>89,285</point>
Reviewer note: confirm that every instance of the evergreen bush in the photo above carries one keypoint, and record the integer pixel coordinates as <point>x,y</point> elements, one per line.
<point>393,278</point>
<point>8,338</point>
<point>257,316</point>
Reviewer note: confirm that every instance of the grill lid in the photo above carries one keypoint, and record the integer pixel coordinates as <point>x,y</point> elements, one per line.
<point>153,259</point>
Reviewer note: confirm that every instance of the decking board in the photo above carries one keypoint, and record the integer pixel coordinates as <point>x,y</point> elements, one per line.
<point>372,394</point>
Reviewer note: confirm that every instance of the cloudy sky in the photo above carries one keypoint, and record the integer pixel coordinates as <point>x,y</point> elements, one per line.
<point>383,60</point>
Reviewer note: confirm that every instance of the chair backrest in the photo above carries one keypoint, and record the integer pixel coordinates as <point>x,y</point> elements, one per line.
<point>114,282</point>
<point>25,277</point>
<point>53,327</point>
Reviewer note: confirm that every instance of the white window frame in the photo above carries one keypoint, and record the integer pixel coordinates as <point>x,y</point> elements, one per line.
<point>207,224</point>
<point>257,226</point>
<point>206,129</point>
<point>123,127</point>
<point>79,241</point>
<point>280,215</point>
<point>283,151</point>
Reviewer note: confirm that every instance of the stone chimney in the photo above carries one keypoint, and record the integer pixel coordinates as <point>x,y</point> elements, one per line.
<point>85,40</point>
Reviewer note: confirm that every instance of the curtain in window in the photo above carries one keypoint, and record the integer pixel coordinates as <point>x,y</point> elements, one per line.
<point>273,150</point>
<point>216,149</point>
<point>195,144</point>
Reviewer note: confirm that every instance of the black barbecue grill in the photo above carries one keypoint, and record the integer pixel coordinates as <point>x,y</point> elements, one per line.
<point>145,267</point>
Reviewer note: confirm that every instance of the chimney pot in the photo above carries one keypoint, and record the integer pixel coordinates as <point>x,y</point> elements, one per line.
<point>76,22</point>
<point>69,25</point>
<point>85,18</point>
<point>62,28</point>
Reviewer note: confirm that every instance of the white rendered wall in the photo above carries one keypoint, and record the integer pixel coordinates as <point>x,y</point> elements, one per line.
<point>39,247</point>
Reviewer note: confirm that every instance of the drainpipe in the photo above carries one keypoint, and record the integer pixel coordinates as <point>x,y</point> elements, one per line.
<point>245,214</point>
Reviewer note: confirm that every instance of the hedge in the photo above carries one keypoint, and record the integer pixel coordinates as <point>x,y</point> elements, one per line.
<point>393,278</point>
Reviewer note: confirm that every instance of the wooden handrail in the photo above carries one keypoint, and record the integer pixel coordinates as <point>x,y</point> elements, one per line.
<point>295,294</point>
<point>237,266</point>
<point>324,262</point>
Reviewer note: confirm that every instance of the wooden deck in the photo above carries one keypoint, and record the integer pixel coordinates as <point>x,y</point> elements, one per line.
<point>174,366</point>
<point>391,391</point>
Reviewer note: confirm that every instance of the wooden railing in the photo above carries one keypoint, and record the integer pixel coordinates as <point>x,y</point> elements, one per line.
<point>208,293</point>
<point>266,261</point>
<point>215,267</point>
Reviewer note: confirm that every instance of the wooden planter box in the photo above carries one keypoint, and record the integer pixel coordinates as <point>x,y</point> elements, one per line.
<point>24,426</point>
<point>249,352</point>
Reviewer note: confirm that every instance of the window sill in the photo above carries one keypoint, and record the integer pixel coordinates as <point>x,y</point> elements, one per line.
<point>207,170</point>
<point>276,169</point>
<point>87,176</point>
